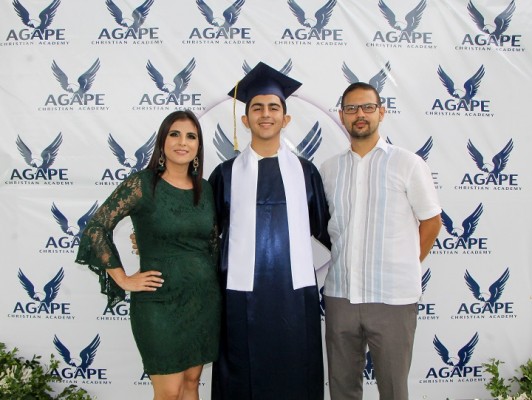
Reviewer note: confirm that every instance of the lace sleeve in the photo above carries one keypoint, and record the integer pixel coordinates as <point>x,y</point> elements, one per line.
<point>97,249</point>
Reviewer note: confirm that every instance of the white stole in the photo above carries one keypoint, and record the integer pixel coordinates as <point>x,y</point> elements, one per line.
<point>242,226</point>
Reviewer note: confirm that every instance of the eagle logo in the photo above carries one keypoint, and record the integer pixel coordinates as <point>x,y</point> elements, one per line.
<point>464,354</point>
<point>502,21</point>
<point>321,17</point>
<point>322,302</point>
<point>306,148</point>
<point>470,86</point>
<point>495,289</point>
<point>412,19</point>
<point>224,147</point>
<point>142,155</point>
<point>70,229</point>
<point>180,83</point>
<point>50,290</point>
<point>424,151</point>
<point>368,367</point>
<point>499,160</point>
<point>425,280</point>
<point>309,144</point>
<point>376,81</point>
<point>86,356</point>
<point>47,156</point>
<point>468,225</point>
<point>46,16</point>
<point>230,15</point>
<point>138,16</point>
<point>287,67</point>
<point>85,81</point>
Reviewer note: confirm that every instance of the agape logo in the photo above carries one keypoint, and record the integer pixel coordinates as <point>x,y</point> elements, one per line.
<point>40,170</point>
<point>130,164</point>
<point>37,28</point>
<point>424,152</point>
<point>461,101</point>
<point>67,243</point>
<point>502,22</point>
<point>313,30</point>
<point>462,237</point>
<point>369,372</point>
<point>230,15</point>
<point>495,289</point>
<point>79,368</point>
<point>173,93</point>
<point>456,367</point>
<point>322,303</point>
<point>426,311</point>
<point>491,33</point>
<point>404,32</point>
<point>118,312</point>
<point>491,176</point>
<point>378,81</point>
<point>306,148</point>
<point>42,300</point>
<point>469,225</point>
<point>138,16</point>
<point>77,94</point>
<point>50,289</point>
<point>130,26</point>
<point>499,160</point>
<point>144,380</point>
<point>470,86</point>
<point>488,303</point>
<point>222,29</point>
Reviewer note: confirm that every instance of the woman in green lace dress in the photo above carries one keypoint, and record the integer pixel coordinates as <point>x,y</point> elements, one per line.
<point>175,296</point>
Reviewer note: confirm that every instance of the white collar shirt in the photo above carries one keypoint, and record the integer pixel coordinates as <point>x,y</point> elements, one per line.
<point>376,203</point>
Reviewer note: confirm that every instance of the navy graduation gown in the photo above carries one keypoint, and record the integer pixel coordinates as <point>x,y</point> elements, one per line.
<point>271,347</point>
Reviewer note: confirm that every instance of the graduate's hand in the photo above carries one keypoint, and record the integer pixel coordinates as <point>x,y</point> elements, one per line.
<point>134,242</point>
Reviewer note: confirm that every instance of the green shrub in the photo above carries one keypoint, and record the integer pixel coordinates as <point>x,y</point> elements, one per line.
<point>22,379</point>
<point>498,387</point>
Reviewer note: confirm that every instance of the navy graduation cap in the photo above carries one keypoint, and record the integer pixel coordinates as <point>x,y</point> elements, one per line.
<point>263,79</point>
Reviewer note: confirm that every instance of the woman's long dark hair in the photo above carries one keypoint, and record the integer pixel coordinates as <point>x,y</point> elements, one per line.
<point>159,150</point>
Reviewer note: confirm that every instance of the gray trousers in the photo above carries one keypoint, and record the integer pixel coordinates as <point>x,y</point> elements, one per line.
<point>388,331</point>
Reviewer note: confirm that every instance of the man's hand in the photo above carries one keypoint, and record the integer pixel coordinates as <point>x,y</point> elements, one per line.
<point>134,242</point>
<point>428,232</point>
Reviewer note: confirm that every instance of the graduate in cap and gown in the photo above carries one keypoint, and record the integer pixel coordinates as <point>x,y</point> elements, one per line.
<point>269,203</point>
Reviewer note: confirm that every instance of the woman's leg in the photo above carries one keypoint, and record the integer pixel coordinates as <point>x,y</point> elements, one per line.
<point>167,387</point>
<point>178,386</point>
<point>191,383</point>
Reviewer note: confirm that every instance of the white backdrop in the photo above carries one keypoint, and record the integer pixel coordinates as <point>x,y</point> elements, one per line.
<point>57,162</point>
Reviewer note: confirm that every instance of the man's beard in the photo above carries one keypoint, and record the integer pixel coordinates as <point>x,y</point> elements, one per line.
<point>356,134</point>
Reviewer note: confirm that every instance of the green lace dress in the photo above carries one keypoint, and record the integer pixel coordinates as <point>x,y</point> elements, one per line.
<point>177,326</point>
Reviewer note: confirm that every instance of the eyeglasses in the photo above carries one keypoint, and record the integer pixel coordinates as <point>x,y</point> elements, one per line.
<point>366,108</point>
